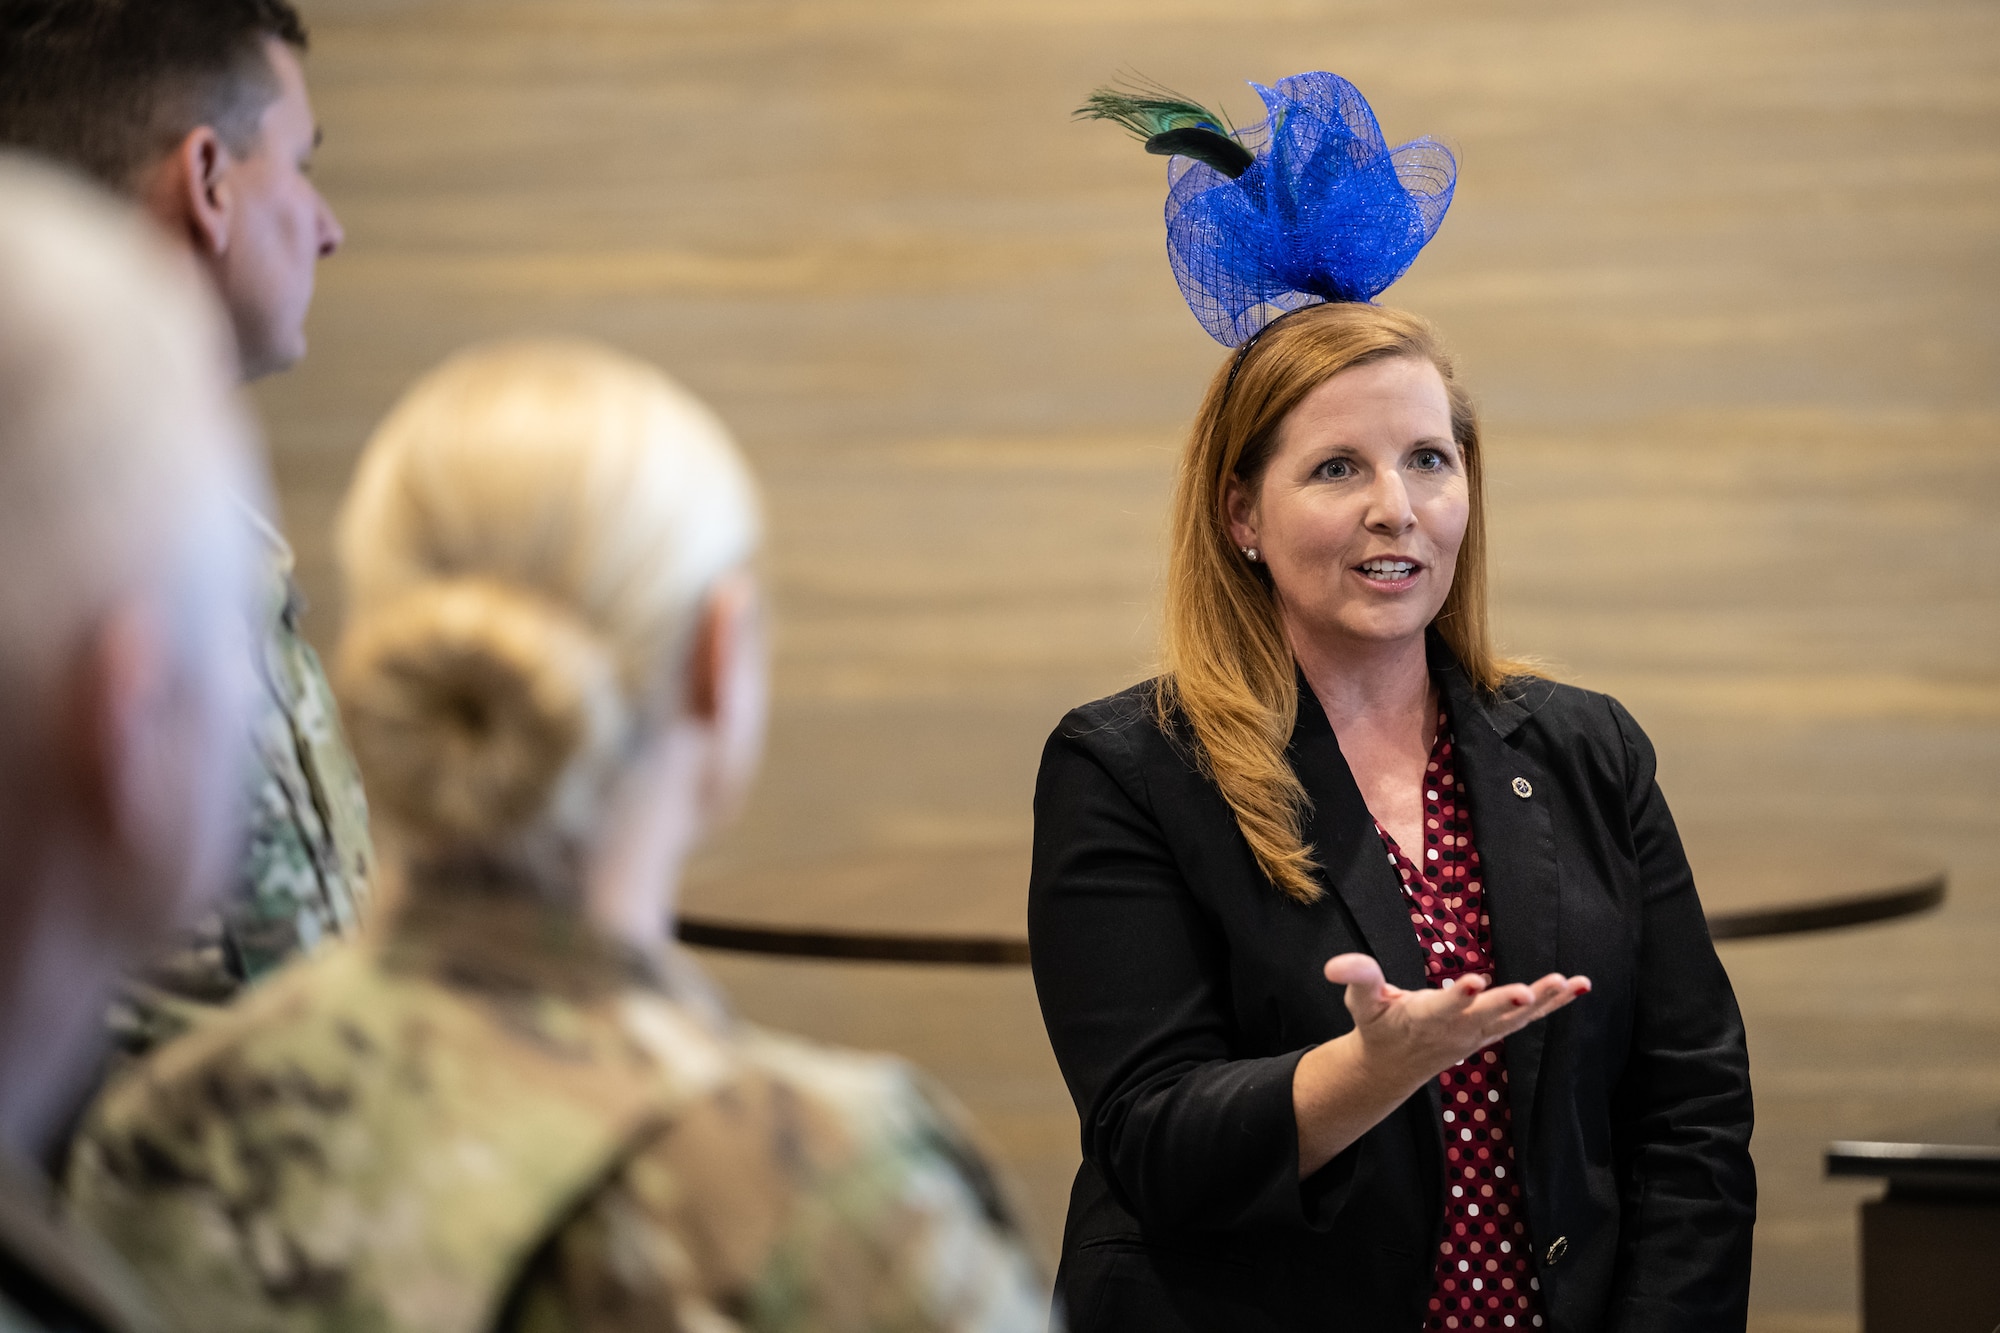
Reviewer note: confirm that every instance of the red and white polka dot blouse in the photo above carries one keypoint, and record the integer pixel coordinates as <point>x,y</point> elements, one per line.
<point>1484,1278</point>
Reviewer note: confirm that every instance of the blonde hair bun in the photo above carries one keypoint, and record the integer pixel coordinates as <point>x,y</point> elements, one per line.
<point>477,710</point>
<point>601,503</point>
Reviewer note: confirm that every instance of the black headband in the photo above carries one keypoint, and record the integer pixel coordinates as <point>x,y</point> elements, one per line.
<point>1243,352</point>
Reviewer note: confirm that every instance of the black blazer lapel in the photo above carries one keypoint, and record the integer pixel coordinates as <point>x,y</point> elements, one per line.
<point>1351,857</point>
<point>1515,835</point>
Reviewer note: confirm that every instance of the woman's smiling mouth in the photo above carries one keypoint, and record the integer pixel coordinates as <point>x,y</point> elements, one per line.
<point>1389,572</point>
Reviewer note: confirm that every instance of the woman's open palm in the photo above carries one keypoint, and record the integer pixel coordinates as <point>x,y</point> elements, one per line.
<point>1422,1033</point>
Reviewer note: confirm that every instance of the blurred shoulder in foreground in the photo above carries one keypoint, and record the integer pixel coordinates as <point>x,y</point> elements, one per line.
<point>498,1121</point>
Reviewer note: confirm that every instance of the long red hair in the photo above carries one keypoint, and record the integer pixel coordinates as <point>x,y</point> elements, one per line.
<point>1228,669</point>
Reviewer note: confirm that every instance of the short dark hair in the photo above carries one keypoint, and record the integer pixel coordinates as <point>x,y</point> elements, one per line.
<point>107,86</point>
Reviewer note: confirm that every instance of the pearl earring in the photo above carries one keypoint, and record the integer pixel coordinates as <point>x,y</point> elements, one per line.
<point>1250,554</point>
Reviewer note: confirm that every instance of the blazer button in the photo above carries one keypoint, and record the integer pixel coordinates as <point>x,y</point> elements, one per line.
<point>1557,1249</point>
<point>1523,788</point>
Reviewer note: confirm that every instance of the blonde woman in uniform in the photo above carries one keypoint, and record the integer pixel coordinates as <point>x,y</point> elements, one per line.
<point>521,1108</point>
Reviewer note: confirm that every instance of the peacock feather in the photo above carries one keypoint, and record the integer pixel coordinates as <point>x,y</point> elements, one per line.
<point>1171,126</point>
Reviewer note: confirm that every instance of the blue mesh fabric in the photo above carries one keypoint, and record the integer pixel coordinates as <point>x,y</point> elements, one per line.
<point>1329,212</point>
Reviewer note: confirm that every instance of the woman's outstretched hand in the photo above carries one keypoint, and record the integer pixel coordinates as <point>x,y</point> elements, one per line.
<point>1401,1040</point>
<point>1417,1035</point>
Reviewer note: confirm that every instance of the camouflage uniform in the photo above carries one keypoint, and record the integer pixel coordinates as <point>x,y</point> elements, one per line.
<point>493,1119</point>
<point>306,866</point>
<point>54,1277</point>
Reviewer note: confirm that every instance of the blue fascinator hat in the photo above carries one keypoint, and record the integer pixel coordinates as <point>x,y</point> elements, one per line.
<point>1311,206</point>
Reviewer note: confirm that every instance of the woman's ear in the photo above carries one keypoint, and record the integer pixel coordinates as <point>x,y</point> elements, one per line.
<point>721,636</point>
<point>191,192</point>
<point>1239,512</point>
<point>729,690</point>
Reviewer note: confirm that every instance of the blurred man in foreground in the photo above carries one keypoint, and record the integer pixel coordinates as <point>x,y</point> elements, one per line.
<point>197,110</point>
<point>122,703</point>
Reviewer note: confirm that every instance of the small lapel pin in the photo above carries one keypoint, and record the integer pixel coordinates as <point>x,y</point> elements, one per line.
<point>1523,788</point>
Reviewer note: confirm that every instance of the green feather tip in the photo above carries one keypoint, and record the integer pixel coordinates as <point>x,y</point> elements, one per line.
<point>1171,125</point>
<point>1150,111</point>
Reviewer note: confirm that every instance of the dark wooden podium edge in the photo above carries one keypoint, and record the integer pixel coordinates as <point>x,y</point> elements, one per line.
<point>1010,951</point>
<point>854,946</point>
<point>1832,913</point>
<point>1974,1162</point>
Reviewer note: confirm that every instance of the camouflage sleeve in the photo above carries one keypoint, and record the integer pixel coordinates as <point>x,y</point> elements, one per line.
<point>307,860</point>
<point>839,1195</point>
<point>306,869</point>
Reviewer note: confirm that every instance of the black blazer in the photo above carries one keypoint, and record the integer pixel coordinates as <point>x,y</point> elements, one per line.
<point>1180,988</point>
